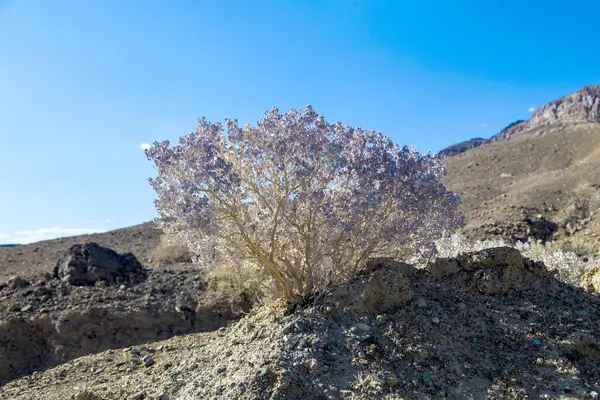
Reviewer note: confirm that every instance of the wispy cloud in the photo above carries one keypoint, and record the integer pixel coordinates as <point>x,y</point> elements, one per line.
<point>145,146</point>
<point>531,109</point>
<point>37,235</point>
<point>483,126</point>
<point>107,221</point>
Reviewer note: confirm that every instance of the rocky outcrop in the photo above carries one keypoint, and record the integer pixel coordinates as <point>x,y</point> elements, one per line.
<point>89,263</point>
<point>580,107</point>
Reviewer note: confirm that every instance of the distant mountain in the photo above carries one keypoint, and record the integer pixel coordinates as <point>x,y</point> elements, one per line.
<point>9,245</point>
<point>582,107</point>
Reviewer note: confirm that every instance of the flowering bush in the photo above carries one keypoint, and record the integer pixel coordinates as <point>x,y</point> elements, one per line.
<point>307,200</point>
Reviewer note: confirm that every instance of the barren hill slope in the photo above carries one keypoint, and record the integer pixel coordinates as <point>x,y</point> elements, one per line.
<point>41,256</point>
<point>539,177</point>
<point>550,170</point>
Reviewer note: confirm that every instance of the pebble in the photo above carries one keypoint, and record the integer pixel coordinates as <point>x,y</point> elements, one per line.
<point>362,327</point>
<point>135,350</point>
<point>594,394</point>
<point>28,307</point>
<point>435,320</point>
<point>291,339</point>
<point>421,303</point>
<point>148,361</point>
<point>391,380</point>
<point>220,369</point>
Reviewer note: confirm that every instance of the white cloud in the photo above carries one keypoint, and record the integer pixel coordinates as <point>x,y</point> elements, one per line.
<point>531,109</point>
<point>37,235</point>
<point>483,126</point>
<point>107,221</point>
<point>145,146</point>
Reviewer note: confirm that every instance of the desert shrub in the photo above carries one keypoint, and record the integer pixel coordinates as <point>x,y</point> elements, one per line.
<point>307,200</point>
<point>456,244</point>
<point>169,252</point>
<point>569,266</point>
<point>584,206</point>
<point>243,284</point>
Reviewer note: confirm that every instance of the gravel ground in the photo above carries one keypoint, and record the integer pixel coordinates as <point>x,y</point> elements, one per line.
<point>485,325</point>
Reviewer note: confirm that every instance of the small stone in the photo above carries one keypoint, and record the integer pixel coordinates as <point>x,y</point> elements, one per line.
<point>138,396</point>
<point>27,307</point>
<point>594,394</point>
<point>220,369</point>
<point>17,282</point>
<point>291,340</point>
<point>135,350</point>
<point>363,327</point>
<point>421,303</point>
<point>435,320</point>
<point>148,361</point>
<point>167,365</point>
<point>263,371</point>
<point>98,371</point>
<point>391,380</point>
<point>300,326</point>
<point>289,328</point>
<point>85,395</point>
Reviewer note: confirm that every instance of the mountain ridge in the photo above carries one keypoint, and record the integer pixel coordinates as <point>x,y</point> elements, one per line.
<point>581,107</point>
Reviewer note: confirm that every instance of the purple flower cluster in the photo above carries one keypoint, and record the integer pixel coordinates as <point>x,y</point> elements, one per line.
<point>309,200</point>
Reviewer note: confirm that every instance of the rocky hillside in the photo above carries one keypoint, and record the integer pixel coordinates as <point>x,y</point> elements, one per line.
<point>484,325</point>
<point>582,107</point>
<point>543,183</point>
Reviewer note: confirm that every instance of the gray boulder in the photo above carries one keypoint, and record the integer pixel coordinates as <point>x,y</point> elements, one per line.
<point>86,264</point>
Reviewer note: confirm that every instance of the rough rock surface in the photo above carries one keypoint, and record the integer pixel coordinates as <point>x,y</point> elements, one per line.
<point>486,325</point>
<point>45,321</point>
<point>89,263</point>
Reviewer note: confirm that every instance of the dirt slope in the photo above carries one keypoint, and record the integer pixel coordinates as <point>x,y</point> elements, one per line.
<point>551,171</point>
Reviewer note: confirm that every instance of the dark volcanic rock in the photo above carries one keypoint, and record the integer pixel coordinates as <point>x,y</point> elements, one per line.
<point>459,148</point>
<point>86,264</point>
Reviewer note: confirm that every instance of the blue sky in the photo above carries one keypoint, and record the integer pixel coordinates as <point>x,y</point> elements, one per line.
<point>84,83</point>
